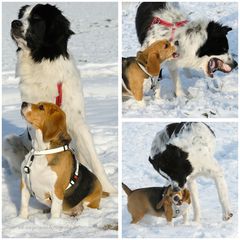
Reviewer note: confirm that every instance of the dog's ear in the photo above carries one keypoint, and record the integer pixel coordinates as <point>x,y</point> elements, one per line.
<point>54,127</point>
<point>186,196</point>
<point>153,64</point>
<point>141,58</point>
<point>164,199</point>
<point>160,204</point>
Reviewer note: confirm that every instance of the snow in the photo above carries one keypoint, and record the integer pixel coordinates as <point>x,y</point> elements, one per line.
<point>213,98</point>
<point>139,173</point>
<point>94,47</point>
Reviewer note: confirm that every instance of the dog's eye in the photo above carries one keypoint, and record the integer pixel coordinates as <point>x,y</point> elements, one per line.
<point>166,45</point>
<point>176,43</point>
<point>36,18</point>
<point>41,107</point>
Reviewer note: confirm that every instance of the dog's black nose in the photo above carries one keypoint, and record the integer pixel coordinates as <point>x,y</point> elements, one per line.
<point>24,105</point>
<point>16,24</point>
<point>176,198</point>
<point>235,64</point>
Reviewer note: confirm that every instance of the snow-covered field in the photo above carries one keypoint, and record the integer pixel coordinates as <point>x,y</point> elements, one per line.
<point>95,50</point>
<point>138,173</point>
<point>209,98</point>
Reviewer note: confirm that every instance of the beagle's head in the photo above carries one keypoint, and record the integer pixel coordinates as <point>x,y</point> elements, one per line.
<point>155,54</point>
<point>175,196</point>
<point>49,118</point>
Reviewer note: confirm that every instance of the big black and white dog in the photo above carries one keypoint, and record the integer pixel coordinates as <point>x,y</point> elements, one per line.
<point>41,33</point>
<point>183,151</point>
<point>202,44</point>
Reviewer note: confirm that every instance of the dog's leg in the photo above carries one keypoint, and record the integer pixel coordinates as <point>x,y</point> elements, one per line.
<point>185,217</point>
<point>25,196</point>
<point>56,208</point>
<point>156,88</point>
<point>176,80</point>
<point>195,199</point>
<point>84,142</point>
<point>221,185</point>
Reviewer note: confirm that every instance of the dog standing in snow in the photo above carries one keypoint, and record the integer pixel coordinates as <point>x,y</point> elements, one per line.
<point>48,73</point>
<point>202,44</point>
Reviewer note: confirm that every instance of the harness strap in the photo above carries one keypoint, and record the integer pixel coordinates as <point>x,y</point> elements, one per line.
<point>173,26</point>
<point>59,97</point>
<point>144,69</point>
<point>74,178</point>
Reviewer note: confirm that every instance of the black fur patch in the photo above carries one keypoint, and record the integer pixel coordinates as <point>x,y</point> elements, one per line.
<point>173,161</point>
<point>217,42</point>
<point>155,195</point>
<point>48,33</point>
<point>144,17</point>
<point>174,128</point>
<point>82,188</point>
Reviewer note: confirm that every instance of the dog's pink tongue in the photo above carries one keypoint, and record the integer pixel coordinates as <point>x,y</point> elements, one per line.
<point>225,67</point>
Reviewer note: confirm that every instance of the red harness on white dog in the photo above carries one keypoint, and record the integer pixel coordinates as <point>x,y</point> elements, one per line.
<point>59,97</point>
<point>173,26</point>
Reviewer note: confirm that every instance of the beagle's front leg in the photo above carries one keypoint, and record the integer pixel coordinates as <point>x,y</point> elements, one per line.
<point>56,208</point>
<point>25,196</point>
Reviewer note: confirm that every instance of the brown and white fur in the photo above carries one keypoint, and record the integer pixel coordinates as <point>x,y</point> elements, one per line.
<point>51,174</point>
<point>151,59</point>
<point>157,201</point>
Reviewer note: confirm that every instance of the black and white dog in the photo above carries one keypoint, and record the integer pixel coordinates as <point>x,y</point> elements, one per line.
<point>48,73</point>
<point>183,151</point>
<point>202,44</point>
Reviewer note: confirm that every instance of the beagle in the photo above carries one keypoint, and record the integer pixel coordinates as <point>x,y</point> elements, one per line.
<point>50,171</point>
<point>146,64</point>
<point>157,201</point>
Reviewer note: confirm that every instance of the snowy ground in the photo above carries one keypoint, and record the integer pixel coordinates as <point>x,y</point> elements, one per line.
<point>138,173</point>
<point>209,98</point>
<point>95,49</point>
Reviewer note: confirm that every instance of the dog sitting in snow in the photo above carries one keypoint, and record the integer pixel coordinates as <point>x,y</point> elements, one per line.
<point>145,65</point>
<point>48,73</point>
<point>50,171</point>
<point>202,44</point>
<point>157,201</point>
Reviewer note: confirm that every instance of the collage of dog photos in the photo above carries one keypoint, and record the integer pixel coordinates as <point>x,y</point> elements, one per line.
<point>120,119</point>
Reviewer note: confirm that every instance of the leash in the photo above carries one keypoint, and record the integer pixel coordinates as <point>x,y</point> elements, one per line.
<point>59,97</point>
<point>33,153</point>
<point>173,26</point>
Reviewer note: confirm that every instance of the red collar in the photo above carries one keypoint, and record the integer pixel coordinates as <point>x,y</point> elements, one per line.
<point>59,97</point>
<point>157,20</point>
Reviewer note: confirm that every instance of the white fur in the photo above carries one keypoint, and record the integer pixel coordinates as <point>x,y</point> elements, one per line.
<point>199,142</point>
<point>188,44</point>
<point>41,181</point>
<point>38,82</point>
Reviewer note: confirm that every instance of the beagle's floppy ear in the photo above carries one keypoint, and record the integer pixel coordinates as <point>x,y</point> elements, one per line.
<point>153,64</point>
<point>186,196</point>
<point>164,198</point>
<point>55,128</point>
<point>142,58</point>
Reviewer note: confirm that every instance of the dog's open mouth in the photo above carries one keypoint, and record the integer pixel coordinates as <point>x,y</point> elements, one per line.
<point>215,64</point>
<point>175,55</point>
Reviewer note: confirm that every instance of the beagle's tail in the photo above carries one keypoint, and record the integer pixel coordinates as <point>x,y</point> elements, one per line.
<point>127,190</point>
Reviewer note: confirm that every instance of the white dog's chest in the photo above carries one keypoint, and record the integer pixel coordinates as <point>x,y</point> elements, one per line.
<point>41,179</point>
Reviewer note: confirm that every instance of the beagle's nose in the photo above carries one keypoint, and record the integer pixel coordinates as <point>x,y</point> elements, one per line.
<point>176,198</point>
<point>16,24</point>
<point>24,105</point>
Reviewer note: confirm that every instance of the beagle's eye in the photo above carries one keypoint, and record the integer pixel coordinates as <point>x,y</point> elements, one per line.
<point>165,46</point>
<point>41,107</point>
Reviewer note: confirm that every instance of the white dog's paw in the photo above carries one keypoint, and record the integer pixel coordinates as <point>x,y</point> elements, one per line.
<point>227,216</point>
<point>23,215</point>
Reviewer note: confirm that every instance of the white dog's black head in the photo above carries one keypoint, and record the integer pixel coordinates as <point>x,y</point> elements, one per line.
<point>43,30</point>
<point>216,47</point>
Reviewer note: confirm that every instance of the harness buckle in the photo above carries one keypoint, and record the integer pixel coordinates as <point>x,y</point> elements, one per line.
<point>26,169</point>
